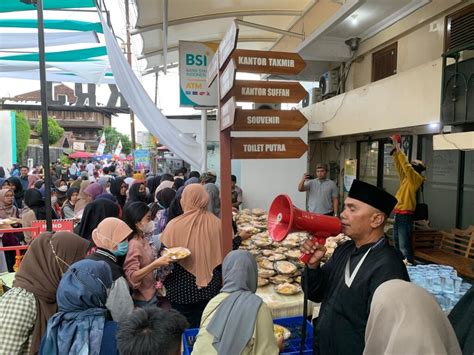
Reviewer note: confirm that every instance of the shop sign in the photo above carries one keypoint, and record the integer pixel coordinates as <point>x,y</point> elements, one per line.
<point>59,225</point>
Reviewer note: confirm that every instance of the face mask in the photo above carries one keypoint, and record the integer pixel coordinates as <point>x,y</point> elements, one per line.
<point>122,248</point>
<point>149,227</point>
<point>108,190</point>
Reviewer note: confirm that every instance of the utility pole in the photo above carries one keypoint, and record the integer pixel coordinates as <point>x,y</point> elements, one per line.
<point>129,59</point>
<point>44,111</point>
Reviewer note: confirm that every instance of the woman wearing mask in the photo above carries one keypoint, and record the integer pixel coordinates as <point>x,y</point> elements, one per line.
<point>36,211</point>
<point>17,188</point>
<point>139,264</point>
<point>67,210</point>
<point>92,191</point>
<point>137,193</point>
<point>198,278</point>
<point>26,308</point>
<point>110,237</point>
<point>81,325</point>
<point>237,321</point>
<point>94,213</point>
<point>119,188</point>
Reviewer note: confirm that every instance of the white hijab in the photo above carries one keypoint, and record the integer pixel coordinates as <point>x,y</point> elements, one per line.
<point>405,319</point>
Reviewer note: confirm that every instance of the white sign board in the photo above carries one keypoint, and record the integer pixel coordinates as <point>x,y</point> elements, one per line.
<point>194,58</point>
<point>81,146</point>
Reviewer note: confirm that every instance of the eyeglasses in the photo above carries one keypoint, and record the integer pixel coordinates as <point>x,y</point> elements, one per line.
<point>58,259</point>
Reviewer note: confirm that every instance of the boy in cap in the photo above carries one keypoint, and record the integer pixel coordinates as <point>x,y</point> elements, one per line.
<point>346,283</point>
<point>410,181</point>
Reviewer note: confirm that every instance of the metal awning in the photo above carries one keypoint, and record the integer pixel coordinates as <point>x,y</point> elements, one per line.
<point>261,24</point>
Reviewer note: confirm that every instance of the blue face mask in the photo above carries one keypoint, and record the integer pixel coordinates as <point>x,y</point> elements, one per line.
<point>122,248</point>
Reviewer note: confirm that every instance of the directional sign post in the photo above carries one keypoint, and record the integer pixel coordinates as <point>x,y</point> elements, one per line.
<point>268,120</point>
<point>268,91</point>
<point>268,148</point>
<point>228,113</point>
<point>265,62</point>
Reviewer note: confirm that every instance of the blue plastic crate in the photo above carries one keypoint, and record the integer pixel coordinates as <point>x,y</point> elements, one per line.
<point>292,345</point>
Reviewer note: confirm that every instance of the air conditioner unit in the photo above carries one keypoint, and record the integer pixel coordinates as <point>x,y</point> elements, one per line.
<point>264,106</point>
<point>329,83</point>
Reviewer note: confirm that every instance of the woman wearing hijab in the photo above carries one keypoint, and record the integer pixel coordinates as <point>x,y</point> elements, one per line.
<point>405,319</point>
<point>119,188</point>
<point>159,210</point>
<point>94,213</point>
<point>198,278</point>
<point>17,188</point>
<point>67,210</point>
<point>81,325</point>
<point>7,210</point>
<point>32,180</point>
<point>36,210</point>
<point>82,198</point>
<point>163,185</point>
<point>26,308</point>
<point>140,264</point>
<point>110,237</point>
<point>237,321</point>
<point>178,182</point>
<point>137,193</point>
<point>92,191</point>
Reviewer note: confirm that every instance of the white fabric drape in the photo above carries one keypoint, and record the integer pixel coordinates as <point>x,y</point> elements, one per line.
<point>91,71</point>
<point>130,87</point>
<point>53,76</point>
<point>30,40</point>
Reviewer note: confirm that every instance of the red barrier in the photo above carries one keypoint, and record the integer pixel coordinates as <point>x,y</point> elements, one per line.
<point>18,248</point>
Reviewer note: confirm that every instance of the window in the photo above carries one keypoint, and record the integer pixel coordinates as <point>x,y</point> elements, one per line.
<point>460,29</point>
<point>384,62</point>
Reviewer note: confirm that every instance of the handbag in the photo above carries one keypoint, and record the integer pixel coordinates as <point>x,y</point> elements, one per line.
<point>421,210</point>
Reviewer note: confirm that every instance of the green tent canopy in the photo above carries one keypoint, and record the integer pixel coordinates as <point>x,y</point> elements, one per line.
<point>17,5</point>
<point>70,25</point>
<point>76,55</point>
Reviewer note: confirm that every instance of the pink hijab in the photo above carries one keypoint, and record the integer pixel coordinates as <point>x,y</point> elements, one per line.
<point>198,230</point>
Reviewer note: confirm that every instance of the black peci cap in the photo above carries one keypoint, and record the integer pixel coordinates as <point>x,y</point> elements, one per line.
<point>372,196</point>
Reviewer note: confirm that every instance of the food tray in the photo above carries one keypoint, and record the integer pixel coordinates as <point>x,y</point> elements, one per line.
<point>292,345</point>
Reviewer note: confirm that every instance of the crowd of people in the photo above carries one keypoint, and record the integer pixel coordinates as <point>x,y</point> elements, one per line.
<point>109,287</point>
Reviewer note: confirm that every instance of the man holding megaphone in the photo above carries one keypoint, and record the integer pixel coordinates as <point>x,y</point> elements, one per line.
<point>346,283</point>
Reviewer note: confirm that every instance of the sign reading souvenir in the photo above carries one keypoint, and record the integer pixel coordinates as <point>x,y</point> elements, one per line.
<point>194,58</point>
<point>59,225</point>
<point>268,91</point>
<point>268,120</point>
<point>265,62</point>
<point>268,148</point>
<point>141,157</point>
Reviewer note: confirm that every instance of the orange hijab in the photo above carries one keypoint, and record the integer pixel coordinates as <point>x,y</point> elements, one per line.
<point>198,230</point>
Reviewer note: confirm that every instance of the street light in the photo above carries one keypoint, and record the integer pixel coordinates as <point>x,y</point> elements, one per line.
<point>44,110</point>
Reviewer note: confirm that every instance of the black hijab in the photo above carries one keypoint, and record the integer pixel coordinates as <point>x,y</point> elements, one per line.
<point>152,183</point>
<point>35,202</point>
<point>19,192</point>
<point>134,195</point>
<point>115,185</point>
<point>94,213</point>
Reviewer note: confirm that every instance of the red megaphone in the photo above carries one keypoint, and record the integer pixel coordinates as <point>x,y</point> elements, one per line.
<point>284,218</point>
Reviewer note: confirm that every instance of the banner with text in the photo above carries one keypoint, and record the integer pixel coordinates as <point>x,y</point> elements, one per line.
<point>194,58</point>
<point>142,159</point>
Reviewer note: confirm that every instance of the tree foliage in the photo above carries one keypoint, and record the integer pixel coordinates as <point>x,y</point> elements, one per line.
<point>23,132</point>
<point>55,131</point>
<point>112,137</point>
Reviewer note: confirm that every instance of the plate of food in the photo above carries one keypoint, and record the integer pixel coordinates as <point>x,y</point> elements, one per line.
<point>262,282</point>
<point>281,331</point>
<point>287,289</point>
<point>285,267</point>
<point>177,253</point>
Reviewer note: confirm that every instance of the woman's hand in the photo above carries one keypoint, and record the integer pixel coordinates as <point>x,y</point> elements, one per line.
<point>162,261</point>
